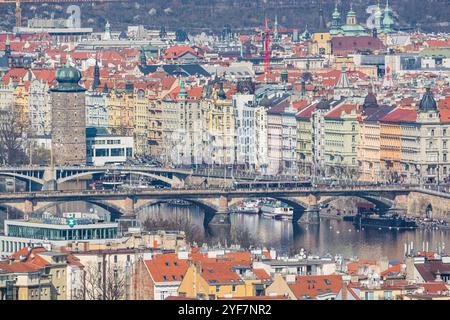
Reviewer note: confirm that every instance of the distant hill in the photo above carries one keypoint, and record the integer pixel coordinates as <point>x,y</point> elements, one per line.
<point>197,15</point>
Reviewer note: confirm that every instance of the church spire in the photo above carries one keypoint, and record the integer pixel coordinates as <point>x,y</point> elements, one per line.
<point>336,20</point>
<point>182,94</point>
<point>275,27</point>
<point>388,21</point>
<point>322,23</point>
<point>96,83</point>
<point>142,57</point>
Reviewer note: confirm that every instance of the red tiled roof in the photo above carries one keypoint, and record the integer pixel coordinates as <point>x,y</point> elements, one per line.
<point>261,274</point>
<point>429,269</point>
<point>309,287</point>
<point>400,115</point>
<point>47,75</point>
<point>444,114</point>
<point>166,267</point>
<point>24,252</point>
<point>393,269</point>
<point>337,112</point>
<point>74,261</point>
<point>355,43</point>
<point>437,43</point>
<point>177,51</point>
<point>219,272</point>
<point>21,267</point>
<point>15,75</point>
<point>306,113</point>
<point>434,287</point>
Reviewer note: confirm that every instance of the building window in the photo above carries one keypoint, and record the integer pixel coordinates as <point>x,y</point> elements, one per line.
<point>388,295</point>
<point>101,152</point>
<point>117,152</point>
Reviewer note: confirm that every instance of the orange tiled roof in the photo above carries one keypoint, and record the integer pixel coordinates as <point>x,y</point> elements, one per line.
<point>337,112</point>
<point>166,267</point>
<point>434,287</point>
<point>219,272</point>
<point>20,267</point>
<point>177,51</point>
<point>309,287</point>
<point>393,269</point>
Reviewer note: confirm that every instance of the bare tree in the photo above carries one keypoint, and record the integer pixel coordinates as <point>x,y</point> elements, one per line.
<point>242,236</point>
<point>41,155</point>
<point>178,223</point>
<point>12,137</point>
<point>103,283</point>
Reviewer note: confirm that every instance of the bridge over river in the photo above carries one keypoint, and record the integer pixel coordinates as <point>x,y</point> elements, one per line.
<point>409,200</point>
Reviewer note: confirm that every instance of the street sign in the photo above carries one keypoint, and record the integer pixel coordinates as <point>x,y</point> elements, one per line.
<point>71,222</point>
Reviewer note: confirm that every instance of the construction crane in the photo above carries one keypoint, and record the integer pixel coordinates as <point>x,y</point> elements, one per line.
<point>19,8</point>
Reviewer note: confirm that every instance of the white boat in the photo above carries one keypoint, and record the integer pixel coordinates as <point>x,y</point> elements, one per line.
<point>251,207</point>
<point>277,210</point>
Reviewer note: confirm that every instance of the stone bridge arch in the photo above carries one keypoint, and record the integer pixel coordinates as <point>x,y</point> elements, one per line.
<point>379,202</point>
<point>299,204</point>
<point>115,210</point>
<point>172,182</point>
<point>210,206</point>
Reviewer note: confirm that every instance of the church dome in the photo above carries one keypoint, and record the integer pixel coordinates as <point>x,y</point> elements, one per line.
<point>68,78</point>
<point>428,103</point>
<point>68,74</point>
<point>370,101</point>
<point>336,14</point>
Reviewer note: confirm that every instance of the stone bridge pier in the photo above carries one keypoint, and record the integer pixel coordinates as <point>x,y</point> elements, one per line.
<point>219,216</point>
<point>311,213</point>
<point>128,206</point>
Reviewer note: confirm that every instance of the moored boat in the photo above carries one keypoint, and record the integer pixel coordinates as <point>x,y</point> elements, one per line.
<point>250,207</point>
<point>277,210</point>
<point>384,222</point>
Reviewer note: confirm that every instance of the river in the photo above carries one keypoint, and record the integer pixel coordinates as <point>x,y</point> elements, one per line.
<point>330,236</point>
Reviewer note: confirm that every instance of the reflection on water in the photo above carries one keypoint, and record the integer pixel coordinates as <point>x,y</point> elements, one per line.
<point>330,236</point>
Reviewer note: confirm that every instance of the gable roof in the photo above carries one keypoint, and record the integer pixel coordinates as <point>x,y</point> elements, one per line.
<point>166,267</point>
